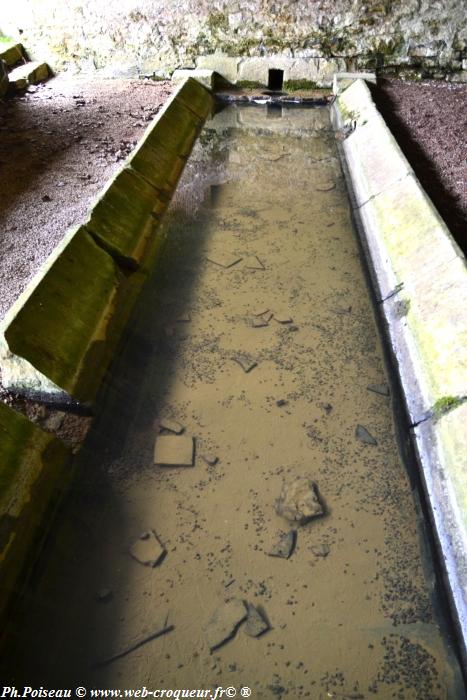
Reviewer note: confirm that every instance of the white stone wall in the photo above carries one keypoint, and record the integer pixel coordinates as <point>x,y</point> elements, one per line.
<point>420,37</point>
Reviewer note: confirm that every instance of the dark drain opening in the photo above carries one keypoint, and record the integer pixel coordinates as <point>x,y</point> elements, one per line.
<point>275,79</point>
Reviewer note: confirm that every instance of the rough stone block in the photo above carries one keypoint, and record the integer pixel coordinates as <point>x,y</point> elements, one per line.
<point>12,54</point>
<point>205,76</point>
<point>33,471</point>
<point>28,74</point>
<point>227,66</point>
<point>55,337</point>
<point>177,128</point>
<point>119,219</point>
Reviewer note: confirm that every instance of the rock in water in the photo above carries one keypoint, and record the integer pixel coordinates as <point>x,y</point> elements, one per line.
<point>299,501</point>
<point>362,434</point>
<point>225,622</point>
<point>285,545</point>
<point>256,623</point>
<point>148,550</point>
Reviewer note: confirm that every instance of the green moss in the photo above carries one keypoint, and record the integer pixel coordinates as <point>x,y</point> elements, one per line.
<point>293,85</point>
<point>446,404</point>
<point>217,21</point>
<point>249,84</point>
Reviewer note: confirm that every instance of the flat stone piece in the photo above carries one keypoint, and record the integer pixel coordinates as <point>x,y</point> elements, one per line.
<point>225,622</point>
<point>362,434</point>
<point>299,501</point>
<point>263,313</point>
<point>245,363</point>
<point>382,389</point>
<point>321,550</point>
<point>224,259</point>
<point>285,545</point>
<point>259,322</point>
<point>104,595</point>
<point>326,187</point>
<point>174,450</point>
<point>283,318</point>
<point>147,549</point>
<point>210,459</point>
<point>172,425</point>
<point>256,622</point>
<point>254,263</point>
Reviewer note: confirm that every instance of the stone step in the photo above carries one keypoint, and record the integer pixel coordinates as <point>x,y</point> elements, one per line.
<point>28,74</point>
<point>12,54</point>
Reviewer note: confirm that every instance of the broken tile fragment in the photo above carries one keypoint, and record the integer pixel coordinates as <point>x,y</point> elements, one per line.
<point>225,622</point>
<point>210,459</point>
<point>224,259</point>
<point>147,549</point>
<point>254,263</point>
<point>174,450</point>
<point>299,501</point>
<point>321,550</point>
<point>245,363</point>
<point>382,389</point>
<point>285,545</point>
<point>262,313</point>
<point>362,434</point>
<point>172,425</point>
<point>327,187</point>
<point>256,622</point>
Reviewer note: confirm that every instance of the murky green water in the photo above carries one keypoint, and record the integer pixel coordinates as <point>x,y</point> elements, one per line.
<point>261,273</point>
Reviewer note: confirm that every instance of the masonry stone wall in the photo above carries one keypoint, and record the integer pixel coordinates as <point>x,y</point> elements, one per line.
<point>129,37</point>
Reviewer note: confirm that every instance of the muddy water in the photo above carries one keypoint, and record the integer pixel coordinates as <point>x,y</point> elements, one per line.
<point>260,224</point>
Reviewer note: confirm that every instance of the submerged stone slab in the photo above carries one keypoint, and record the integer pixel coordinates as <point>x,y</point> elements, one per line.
<point>225,622</point>
<point>34,468</point>
<point>54,338</point>
<point>174,451</point>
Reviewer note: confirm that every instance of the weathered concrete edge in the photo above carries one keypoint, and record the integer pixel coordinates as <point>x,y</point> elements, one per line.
<point>130,286</point>
<point>440,440</point>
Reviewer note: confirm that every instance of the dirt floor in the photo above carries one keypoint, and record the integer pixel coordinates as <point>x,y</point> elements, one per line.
<point>59,144</point>
<point>256,340</point>
<point>429,120</point>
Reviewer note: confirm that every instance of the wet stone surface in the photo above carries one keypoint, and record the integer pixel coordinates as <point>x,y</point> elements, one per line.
<point>353,611</point>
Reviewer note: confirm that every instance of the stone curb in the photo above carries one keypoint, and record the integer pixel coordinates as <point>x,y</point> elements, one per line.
<point>58,338</point>
<point>420,280</point>
<point>34,470</point>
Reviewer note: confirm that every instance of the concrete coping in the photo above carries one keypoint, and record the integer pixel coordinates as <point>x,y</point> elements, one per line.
<point>420,280</point>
